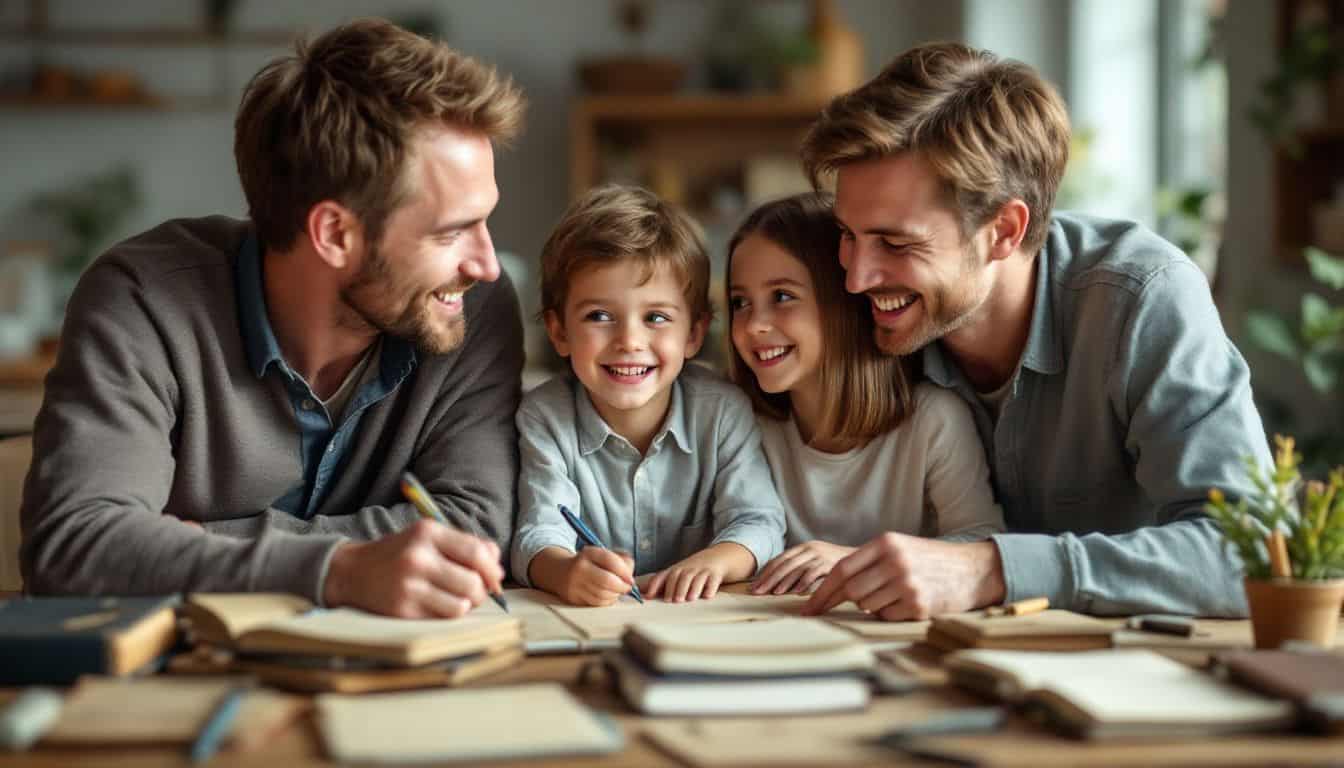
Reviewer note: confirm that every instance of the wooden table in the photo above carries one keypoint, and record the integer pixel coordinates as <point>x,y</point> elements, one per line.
<point>1019,743</point>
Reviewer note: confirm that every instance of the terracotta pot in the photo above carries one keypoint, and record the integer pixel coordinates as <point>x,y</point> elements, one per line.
<point>1285,609</point>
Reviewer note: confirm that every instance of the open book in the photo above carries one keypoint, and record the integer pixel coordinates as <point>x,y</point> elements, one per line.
<point>1114,693</point>
<point>781,647</point>
<point>258,624</point>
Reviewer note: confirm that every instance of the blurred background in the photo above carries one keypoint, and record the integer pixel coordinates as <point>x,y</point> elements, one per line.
<point>1219,124</point>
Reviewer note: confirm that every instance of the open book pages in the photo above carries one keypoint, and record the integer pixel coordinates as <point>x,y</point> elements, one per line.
<point>220,618</point>
<point>513,722</point>
<point>146,710</point>
<point>543,631</point>
<point>1050,630</point>
<point>409,642</point>
<point>781,647</point>
<point>696,694</point>
<point>1101,694</point>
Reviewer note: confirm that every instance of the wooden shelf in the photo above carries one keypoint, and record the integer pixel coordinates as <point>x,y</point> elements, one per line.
<point>150,36</point>
<point>148,103</point>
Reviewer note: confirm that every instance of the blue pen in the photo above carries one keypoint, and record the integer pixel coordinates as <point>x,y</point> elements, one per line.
<point>590,539</point>
<point>219,724</point>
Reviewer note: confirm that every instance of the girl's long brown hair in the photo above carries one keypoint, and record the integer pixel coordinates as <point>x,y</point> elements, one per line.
<point>866,392</point>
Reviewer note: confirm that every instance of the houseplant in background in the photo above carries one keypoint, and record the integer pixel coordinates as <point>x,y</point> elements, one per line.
<point>1290,538</point>
<point>1315,343</point>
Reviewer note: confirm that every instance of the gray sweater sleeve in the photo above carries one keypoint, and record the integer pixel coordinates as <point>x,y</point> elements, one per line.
<point>103,468</point>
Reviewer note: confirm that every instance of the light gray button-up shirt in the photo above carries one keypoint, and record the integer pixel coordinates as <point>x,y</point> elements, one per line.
<point>704,481</point>
<point>1129,405</point>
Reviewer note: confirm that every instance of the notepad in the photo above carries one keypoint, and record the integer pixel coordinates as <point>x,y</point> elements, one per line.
<point>515,722</point>
<point>257,623</point>
<point>150,710</point>
<point>1050,630</point>
<point>782,647</point>
<point>1114,693</point>
<point>544,632</point>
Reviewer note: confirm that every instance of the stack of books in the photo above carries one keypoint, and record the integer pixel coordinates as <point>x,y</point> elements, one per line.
<point>283,641</point>
<point>782,666</point>
<point>54,640</point>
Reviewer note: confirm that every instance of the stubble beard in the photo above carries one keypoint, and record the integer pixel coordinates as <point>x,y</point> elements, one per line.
<point>949,310</point>
<point>372,300</point>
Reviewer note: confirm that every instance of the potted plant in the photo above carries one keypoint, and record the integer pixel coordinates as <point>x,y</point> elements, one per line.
<point>1291,542</point>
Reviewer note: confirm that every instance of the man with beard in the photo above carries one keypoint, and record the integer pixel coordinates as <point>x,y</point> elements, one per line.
<point>234,402</point>
<point>1108,397</point>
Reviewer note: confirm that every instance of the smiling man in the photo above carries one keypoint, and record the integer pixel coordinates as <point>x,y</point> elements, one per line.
<point>1108,397</point>
<point>234,402</point>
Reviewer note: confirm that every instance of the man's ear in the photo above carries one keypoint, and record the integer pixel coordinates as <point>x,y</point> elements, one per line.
<point>1007,229</point>
<point>555,328</point>
<point>334,232</point>
<point>697,337</point>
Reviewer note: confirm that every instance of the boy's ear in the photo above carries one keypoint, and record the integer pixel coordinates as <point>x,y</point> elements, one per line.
<point>555,328</point>
<point>697,337</point>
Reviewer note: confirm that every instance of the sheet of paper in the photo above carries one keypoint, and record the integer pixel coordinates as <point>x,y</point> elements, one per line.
<point>148,710</point>
<point>543,630</point>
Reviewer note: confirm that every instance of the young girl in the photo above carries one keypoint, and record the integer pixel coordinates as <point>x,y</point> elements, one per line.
<point>854,451</point>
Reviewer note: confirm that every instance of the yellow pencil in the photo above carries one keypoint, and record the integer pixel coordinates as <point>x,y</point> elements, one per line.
<point>424,504</point>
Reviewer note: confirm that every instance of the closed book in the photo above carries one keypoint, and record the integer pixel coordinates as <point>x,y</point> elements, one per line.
<point>1312,681</point>
<point>1117,693</point>
<point>1050,630</point>
<point>693,694</point>
<point>333,675</point>
<point>260,623</point>
<point>54,640</point>
<point>784,647</point>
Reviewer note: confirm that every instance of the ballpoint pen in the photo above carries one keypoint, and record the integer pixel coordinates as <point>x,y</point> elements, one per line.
<point>590,539</point>
<point>424,503</point>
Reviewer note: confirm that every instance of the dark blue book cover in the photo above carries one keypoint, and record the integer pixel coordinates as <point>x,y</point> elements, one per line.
<point>53,640</point>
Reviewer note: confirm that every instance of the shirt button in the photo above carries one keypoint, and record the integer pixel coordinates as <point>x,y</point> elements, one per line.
<point>331,447</point>
<point>645,545</point>
<point>308,405</point>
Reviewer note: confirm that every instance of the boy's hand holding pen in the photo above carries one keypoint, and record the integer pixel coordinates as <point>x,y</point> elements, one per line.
<point>592,576</point>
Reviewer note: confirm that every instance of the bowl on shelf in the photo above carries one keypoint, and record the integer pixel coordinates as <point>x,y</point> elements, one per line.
<point>632,74</point>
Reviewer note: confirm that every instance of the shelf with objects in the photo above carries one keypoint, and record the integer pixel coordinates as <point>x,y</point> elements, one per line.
<point>1301,112</point>
<point>51,84</point>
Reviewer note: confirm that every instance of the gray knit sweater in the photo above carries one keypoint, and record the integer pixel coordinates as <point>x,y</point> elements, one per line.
<point>152,413</point>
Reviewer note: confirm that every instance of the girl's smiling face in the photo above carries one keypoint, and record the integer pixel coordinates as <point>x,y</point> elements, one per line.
<point>776,321</point>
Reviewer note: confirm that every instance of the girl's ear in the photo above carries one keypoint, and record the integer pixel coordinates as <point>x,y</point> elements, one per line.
<point>555,328</point>
<point>697,336</point>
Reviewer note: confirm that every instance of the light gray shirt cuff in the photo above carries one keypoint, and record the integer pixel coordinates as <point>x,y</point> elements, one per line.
<point>764,545</point>
<point>529,542</point>
<point>1035,565</point>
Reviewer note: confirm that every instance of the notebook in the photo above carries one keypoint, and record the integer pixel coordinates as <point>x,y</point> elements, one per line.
<point>544,632</point>
<point>1117,693</point>
<point>1049,630</point>
<point>291,673</point>
<point>697,694</point>
<point>1312,681</point>
<point>148,710</point>
<point>260,623</point>
<point>54,640</point>
<point>507,723</point>
<point>781,647</point>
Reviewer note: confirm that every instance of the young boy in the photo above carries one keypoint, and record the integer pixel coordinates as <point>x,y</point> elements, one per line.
<point>659,459</point>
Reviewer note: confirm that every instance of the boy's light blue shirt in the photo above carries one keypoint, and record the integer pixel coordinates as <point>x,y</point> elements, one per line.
<point>1130,404</point>
<point>704,481</point>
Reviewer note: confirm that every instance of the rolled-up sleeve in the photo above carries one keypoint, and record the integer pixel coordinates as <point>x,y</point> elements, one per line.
<point>543,484</point>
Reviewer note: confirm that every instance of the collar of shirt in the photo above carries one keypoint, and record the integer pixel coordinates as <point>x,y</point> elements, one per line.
<point>594,431</point>
<point>259,342</point>
<point>1042,353</point>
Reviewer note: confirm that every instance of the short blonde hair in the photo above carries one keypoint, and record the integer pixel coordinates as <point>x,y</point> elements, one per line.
<point>992,129</point>
<point>336,121</point>
<point>615,223</point>
<point>866,393</point>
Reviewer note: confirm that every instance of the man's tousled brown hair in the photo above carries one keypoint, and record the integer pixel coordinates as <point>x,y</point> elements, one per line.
<point>615,223</point>
<point>865,391</point>
<point>992,129</point>
<point>336,121</point>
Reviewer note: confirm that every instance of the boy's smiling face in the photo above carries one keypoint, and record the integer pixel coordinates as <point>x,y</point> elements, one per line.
<point>626,342</point>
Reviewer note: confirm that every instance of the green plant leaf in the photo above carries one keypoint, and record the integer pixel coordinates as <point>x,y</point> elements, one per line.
<point>1272,333</point>
<point>1320,373</point>
<point>1326,268</point>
